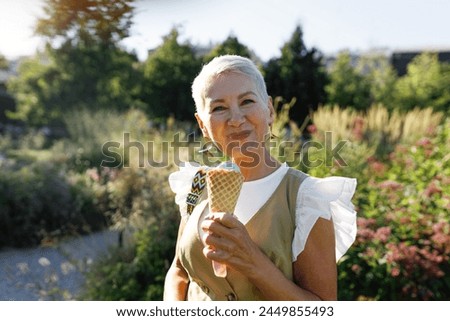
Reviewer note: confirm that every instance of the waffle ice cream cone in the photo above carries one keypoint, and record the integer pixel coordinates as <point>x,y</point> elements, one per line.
<point>224,186</point>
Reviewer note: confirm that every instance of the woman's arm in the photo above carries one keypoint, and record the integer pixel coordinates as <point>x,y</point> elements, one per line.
<point>177,281</point>
<point>315,269</point>
<point>315,276</point>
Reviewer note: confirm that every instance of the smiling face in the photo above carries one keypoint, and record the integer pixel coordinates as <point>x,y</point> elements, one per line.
<point>234,116</point>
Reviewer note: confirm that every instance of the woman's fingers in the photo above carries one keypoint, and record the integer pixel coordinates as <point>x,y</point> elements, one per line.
<point>216,254</point>
<point>226,219</point>
<point>226,239</point>
<point>222,224</point>
<point>217,243</point>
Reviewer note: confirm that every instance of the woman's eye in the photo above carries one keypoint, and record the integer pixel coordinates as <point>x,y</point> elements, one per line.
<point>217,108</point>
<point>247,101</point>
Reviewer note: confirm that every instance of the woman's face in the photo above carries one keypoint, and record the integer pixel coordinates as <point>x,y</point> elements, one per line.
<point>234,116</point>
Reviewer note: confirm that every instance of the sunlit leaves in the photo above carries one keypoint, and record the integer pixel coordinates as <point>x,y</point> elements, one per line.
<point>426,84</point>
<point>87,21</point>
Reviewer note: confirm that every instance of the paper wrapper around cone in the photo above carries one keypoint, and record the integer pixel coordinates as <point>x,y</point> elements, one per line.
<point>224,186</point>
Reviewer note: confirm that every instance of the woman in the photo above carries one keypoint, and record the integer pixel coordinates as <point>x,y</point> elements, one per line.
<point>288,229</point>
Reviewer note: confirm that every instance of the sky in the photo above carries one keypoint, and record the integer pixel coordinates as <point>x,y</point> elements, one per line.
<point>263,25</point>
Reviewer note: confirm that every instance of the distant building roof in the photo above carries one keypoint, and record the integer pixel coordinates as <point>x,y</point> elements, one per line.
<point>401,58</point>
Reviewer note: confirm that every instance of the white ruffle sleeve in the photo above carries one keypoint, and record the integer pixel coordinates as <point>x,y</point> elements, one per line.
<point>329,198</point>
<point>181,182</point>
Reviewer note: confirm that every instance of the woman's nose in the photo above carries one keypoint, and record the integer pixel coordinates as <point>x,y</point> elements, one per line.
<point>236,117</point>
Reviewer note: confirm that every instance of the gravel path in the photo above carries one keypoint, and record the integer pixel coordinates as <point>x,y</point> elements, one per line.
<point>50,273</point>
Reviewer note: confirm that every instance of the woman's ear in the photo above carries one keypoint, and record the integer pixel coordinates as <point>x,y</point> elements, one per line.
<point>201,125</point>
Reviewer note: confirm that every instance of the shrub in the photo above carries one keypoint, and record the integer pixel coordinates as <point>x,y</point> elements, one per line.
<point>402,250</point>
<point>140,201</point>
<point>38,202</point>
<point>90,130</point>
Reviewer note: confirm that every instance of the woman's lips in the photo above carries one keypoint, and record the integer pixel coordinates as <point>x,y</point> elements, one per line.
<point>240,135</point>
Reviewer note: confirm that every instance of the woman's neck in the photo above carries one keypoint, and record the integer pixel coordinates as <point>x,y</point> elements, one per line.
<point>253,169</point>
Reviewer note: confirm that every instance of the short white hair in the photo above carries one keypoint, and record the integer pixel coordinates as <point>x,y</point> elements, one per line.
<point>220,65</point>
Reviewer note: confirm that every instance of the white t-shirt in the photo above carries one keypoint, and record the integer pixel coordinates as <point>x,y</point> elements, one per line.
<point>254,194</point>
<point>329,198</point>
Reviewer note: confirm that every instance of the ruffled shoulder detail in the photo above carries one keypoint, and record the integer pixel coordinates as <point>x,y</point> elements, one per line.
<point>329,198</point>
<point>181,182</point>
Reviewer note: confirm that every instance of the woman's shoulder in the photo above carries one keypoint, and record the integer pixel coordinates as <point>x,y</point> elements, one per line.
<point>326,184</point>
<point>295,173</point>
<point>328,188</point>
<point>329,198</point>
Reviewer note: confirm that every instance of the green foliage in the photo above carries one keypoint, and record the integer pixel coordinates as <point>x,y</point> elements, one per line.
<point>91,21</point>
<point>4,65</point>
<point>49,189</point>
<point>32,90</point>
<point>299,73</point>
<point>168,74</point>
<point>131,274</point>
<point>39,202</point>
<point>403,246</point>
<point>381,78</point>
<point>375,127</point>
<point>90,131</point>
<point>426,84</point>
<point>84,67</point>
<point>142,202</point>
<point>7,103</point>
<point>95,76</point>
<point>231,46</point>
<point>402,250</point>
<point>286,139</point>
<point>71,78</point>
<point>370,79</point>
<point>361,82</point>
<point>347,87</point>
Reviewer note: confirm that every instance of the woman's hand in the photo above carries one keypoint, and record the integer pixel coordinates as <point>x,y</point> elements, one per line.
<point>227,241</point>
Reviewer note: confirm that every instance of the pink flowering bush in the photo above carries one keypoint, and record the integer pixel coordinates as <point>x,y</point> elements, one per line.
<point>402,249</point>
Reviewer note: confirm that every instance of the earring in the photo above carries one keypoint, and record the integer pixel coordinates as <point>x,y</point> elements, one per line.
<point>209,147</point>
<point>270,134</point>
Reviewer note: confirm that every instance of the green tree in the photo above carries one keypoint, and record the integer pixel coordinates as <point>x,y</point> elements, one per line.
<point>299,73</point>
<point>426,84</point>
<point>168,74</point>
<point>7,103</point>
<point>87,21</point>
<point>32,89</point>
<point>96,76</point>
<point>83,64</point>
<point>231,46</point>
<point>347,87</point>
<point>377,70</point>
<point>4,65</point>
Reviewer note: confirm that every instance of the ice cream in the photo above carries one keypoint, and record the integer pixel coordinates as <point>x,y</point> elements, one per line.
<point>224,185</point>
